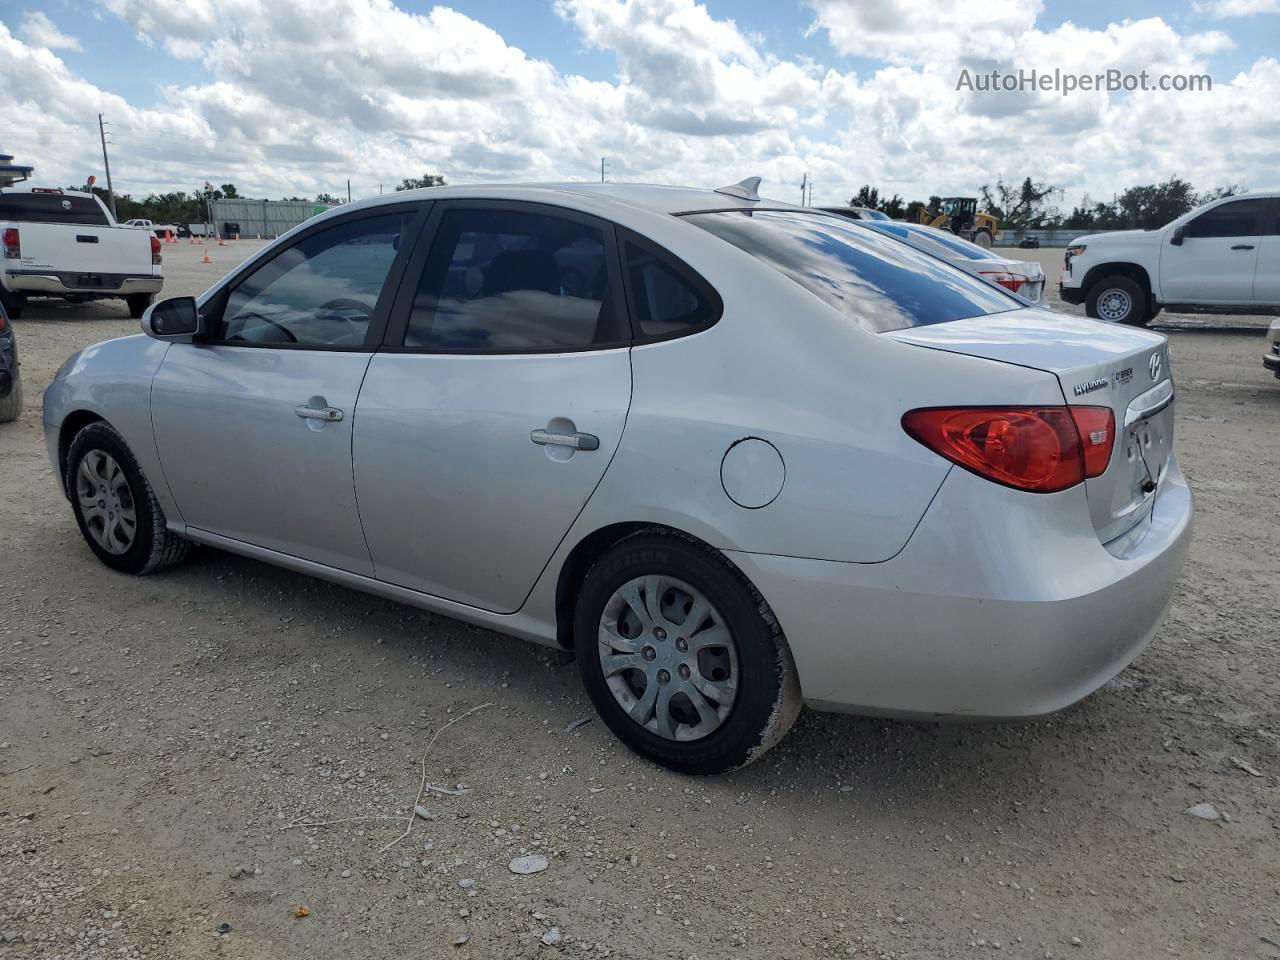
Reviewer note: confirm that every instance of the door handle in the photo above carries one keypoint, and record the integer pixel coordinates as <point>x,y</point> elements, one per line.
<point>576,441</point>
<point>328,414</point>
<point>1243,246</point>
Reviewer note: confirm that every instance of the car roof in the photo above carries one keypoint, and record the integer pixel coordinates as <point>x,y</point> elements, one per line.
<point>654,197</point>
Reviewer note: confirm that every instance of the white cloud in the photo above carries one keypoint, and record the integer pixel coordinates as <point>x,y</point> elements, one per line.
<point>43,32</point>
<point>310,92</point>
<point>1237,8</point>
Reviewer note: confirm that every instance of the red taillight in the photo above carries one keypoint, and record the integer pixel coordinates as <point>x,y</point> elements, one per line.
<point>1010,281</point>
<point>1097,429</point>
<point>1037,449</point>
<point>12,247</point>
<point>155,249</point>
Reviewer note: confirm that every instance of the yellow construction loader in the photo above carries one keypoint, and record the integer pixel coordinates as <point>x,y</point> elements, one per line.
<point>960,215</point>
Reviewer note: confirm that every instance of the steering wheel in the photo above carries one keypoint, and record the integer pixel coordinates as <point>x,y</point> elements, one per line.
<point>267,320</point>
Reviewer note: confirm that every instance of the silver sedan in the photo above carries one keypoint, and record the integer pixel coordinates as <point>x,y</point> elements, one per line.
<point>734,455</point>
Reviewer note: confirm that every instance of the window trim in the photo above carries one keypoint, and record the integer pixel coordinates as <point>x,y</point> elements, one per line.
<point>418,210</point>
<point>682,270</point>
<point>1259,219</point>
<point>397,327</point>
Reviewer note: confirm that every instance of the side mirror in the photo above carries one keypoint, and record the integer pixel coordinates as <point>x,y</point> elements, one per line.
<point>174,319</point>
<point>1179,232</point>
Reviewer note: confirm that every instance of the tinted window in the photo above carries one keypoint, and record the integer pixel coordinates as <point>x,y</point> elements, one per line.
<point>319,292</point>
<point>1240,218</point>
<point>666,302</point>
<point>52,208</point>
<point>512,281</point>
<point>877,282</point>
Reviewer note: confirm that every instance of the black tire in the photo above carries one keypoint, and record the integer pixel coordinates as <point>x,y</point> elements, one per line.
<point>138,303</point>
<point>1108,294</point>
<point>983,239</point>
<point>12,303</point>
<point>153,547</point>
<point>11,406</point>
<point>768,698</point>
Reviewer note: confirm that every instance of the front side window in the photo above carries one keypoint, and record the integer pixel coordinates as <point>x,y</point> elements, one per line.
<point>1240,218</point>
<point>510,281</point>
<point>878,283</point>
<point>321,291</point>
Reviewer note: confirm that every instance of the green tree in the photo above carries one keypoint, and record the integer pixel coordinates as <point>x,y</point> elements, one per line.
<point>426,180</point>
<point>229,191</point>
<point>1022,206</point>
<point>329,199</point>
<point>867,196</point>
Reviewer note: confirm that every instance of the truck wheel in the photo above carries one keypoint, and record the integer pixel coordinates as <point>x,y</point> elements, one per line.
<point>138,303</point>
<point>1118,299</point>
<point>982,239</point>
<point>12,303</point>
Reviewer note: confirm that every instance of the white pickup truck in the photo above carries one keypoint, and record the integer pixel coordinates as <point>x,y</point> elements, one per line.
<point>159,229</point>
<point>1223,257</point>
<point>61,243</point>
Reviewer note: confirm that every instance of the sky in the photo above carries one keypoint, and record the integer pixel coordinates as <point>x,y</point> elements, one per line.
<point>296,97</point>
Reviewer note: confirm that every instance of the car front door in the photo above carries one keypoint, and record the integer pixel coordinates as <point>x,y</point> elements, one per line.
<point>490,414</point>
<point>1266,278</point>
<point>1216,260</point>
<point>253,426</point>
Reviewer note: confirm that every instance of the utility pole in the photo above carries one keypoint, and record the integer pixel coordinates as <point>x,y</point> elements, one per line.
<point>602,160</point>
<point>348,189</point>
<point>810,203</point>
<point>111,194</point>
<point>804,182</point>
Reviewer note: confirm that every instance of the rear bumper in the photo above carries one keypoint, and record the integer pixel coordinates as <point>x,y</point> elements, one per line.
<point>993,609</point>
<point>1272,362</point>
<point>60,284</point>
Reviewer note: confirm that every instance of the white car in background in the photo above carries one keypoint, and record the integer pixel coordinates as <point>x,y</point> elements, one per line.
<point>1271,359</point>
<point>1023,277</point>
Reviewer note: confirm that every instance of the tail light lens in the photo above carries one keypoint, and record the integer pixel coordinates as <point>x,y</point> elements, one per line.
<point>12,248</point>
<point>1037,449</point>
<point>1010,281</point>
<point>155,249</point>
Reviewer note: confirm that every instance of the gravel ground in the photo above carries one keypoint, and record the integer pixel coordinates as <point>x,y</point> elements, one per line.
<point>161,738</point>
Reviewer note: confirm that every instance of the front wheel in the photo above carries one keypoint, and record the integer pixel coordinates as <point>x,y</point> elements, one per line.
<point>114,505</point>
<point>12,303</point>
<point>681,655</point>
<point>1118,299</point>
<point>11,406</point>
<point>982,239</point>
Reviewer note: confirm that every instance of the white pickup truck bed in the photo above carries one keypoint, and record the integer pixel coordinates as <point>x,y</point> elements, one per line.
<point>65,244</point>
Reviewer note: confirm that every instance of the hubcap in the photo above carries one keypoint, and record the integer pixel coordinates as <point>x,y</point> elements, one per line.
<point>1114,305</point>
<point>668,657</point>
<point>106,502</point>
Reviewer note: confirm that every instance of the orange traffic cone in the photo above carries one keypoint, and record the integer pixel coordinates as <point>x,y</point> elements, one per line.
<point>205,258</point>
<point>221,242</point>
<point>191,239</point>
<point>168,236</point>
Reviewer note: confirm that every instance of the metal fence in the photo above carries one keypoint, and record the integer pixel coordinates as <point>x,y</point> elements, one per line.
<point>1048,238</point>
<point>262,218</point>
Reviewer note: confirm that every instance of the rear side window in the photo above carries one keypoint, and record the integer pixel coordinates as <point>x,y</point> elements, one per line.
<point>878,283</point>
<point>667,302</point>
<point>52,208</point>
<point>1240,218</point>
<point>513,281</point>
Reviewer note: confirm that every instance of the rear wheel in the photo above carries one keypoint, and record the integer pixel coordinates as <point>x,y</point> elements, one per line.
<point>114,505</point>
<point>138,303</point>
<point>681,655</point>
<point>982,239</point>
<point>11,406</point>
<point>1118,299</point>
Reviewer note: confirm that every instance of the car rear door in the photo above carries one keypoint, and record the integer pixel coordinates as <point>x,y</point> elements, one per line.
<point>494,407</point>
<point>253,427</point>
<point>1216,261</point>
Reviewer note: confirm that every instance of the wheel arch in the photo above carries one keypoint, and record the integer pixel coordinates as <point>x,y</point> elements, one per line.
<point>1135,272</point>
<point>72,423</point>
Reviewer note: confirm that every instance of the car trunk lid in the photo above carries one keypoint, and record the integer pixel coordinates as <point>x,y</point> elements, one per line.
<point>1097,364</point>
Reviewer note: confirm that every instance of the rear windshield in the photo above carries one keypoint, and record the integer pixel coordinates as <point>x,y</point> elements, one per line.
<point>951,245</point>
<point>879,283</point>
<point>51,208</point>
